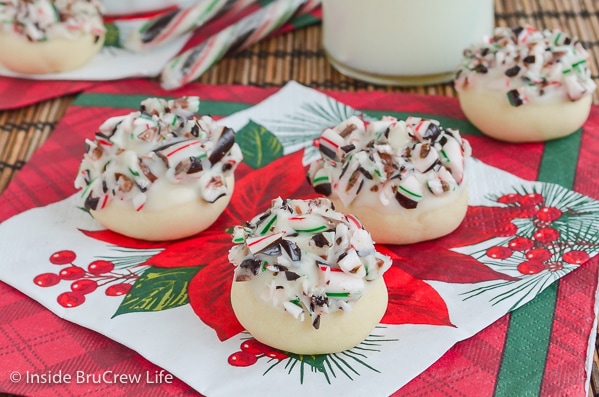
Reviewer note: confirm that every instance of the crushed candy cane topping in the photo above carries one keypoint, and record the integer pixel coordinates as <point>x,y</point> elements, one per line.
<point>528,65</point>
<point>163,141</point>
<point>40,20</point>
<point>394,160</point>
<point>307,258</point>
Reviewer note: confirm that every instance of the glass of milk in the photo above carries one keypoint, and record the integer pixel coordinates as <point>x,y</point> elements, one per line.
<point>402,42</point>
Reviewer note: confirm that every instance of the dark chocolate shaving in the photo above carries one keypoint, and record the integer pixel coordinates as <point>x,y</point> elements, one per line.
<point>223,145</point>
<point>320,240</point>
<point>324,188</point>
<point>513,71</point>
<point>432,132</point>
<point>291,248</point>
<point>405,202</point>
<point>91,203</point>
<point>328,152</point>
<point>316,322</point>
<point>291,276</point>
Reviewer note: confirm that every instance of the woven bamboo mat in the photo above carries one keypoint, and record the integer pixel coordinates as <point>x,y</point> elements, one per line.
<point>298,56</point>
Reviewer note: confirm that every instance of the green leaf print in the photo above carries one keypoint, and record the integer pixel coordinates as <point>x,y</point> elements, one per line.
<point>258,145</point>
<point>158,289</point>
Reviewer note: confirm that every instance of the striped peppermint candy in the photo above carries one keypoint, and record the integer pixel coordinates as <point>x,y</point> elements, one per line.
<point>196,61</point>
<point>164,28</point>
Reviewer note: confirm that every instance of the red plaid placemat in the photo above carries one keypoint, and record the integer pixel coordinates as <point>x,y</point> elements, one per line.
<point>538,350</point>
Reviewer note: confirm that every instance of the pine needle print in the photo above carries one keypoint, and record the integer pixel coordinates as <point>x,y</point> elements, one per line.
<point>298,130</point>
<point>552,233</point>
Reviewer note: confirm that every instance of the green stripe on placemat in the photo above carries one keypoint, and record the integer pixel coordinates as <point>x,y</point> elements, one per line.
<point>530,327</point>
<point>220,108</point>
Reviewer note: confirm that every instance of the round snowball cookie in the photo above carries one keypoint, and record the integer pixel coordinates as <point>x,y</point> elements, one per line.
<point>524,85</point>
<point>159,173</point>
<point>43,36</point>
<point>405,180</point>
<point>308,279</point>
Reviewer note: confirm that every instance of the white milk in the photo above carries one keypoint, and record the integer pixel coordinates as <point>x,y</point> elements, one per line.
<point>402,42</point>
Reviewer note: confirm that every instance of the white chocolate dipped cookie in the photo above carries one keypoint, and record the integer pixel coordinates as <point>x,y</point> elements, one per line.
<point>43,36</point>
<point>308,279</point>
<point>524,85</point>
<point>404,180</point>
<point>159,173</point>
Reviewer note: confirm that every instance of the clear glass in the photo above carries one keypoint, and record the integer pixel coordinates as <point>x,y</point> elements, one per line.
<point>402,42</point>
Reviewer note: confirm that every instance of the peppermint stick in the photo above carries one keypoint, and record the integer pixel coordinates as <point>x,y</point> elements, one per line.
<point>196,61</point>
<point>164,28</point>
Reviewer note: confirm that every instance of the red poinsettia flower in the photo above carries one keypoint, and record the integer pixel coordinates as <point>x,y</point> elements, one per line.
<point>411,300</point>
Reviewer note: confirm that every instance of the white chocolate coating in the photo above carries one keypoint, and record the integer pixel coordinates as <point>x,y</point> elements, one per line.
<point>404,179</point>
<point>43,36</point>
<point>524,85</point>
<point>159,173</point>
<point>300,268</point>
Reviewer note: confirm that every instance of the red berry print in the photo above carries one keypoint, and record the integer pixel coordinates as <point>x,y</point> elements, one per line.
<point>521,244</point>
<point>46,279</point>
<point>62,257</point>
<point>530,267</point>
<point>118,289</point>
<point>549,214</point>
<point>528,211</point>
<point>511,198</point>
<point>277,355</point>
<point>538,254</point>
<point>253,346</point>
<point>555,266</point>
<point>71,273</point>
<point>242,359</point>
<point>85,286</point>
<point>509,229</point>
<point>546,235</point>
<point>532,199</point>
<point>499,252</point>
<point>70,299</point>
<point>100,267</point>
<point>575,257</point>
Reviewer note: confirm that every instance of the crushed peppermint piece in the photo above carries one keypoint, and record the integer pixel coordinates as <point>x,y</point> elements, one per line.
<point>40,20</point>
<point>536,64</point>
<point>407,161</point>
<point>311,273</point>
<point>162,141</point>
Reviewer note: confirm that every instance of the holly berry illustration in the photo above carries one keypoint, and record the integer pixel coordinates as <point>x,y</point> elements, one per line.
<point>70,299</point>
<point>499,252</point>
<point>251,350</point>
<point>100,267</point>
<point>46,279</point>
<point>242,359</point>
<point>546,235</point>
<point>509,229</point>
<point>85,280</point>
<point>118,289</point>
<point>538,254</point>
<point>511,198</point>
<point>84,286</point>
<point>62,257</point>
<point>532,199</point>
<point>575,257</point>
<point>531,267</point>
<point>520,244</point>
<point>71,273</point>
<point>549,214</point>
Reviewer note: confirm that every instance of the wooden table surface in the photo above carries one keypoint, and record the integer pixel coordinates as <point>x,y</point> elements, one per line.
<point>298,56</point>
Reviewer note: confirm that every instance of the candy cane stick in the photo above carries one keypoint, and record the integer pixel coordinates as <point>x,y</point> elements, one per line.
<point>166,27</point>
<point>196,61</point>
